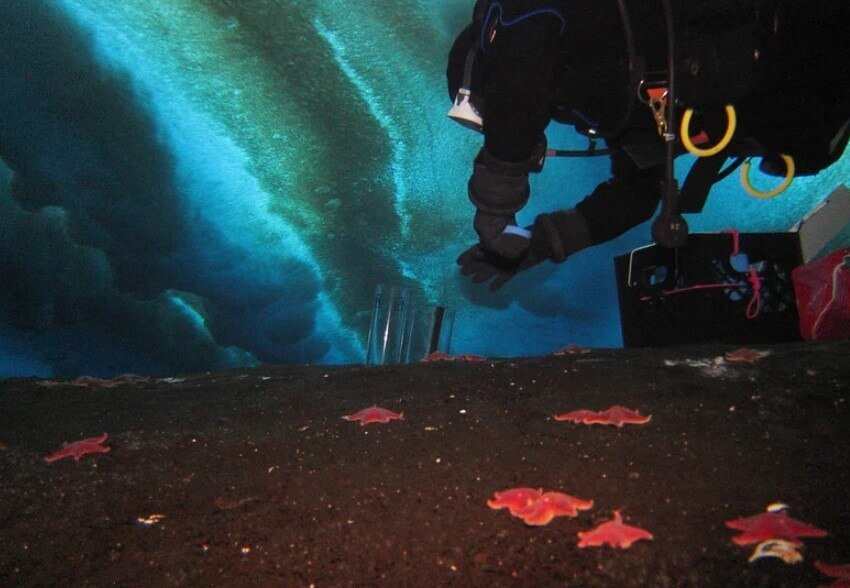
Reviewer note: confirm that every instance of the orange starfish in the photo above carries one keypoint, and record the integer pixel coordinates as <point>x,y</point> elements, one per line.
<point>616,415</point>
<point>85,381</point>
<point>374,414</point>
<point>436,356</point>
<point>537,508</point>
<point>841,574</point>
<point>571,349</point>
<point>77,449</point>
<point>551,505</point>
<point>440,356</point>
<point>469,357</point>
<point>613,533</point>
<point>772,525</point>
<point>745,355</point>
<point>515,499</point>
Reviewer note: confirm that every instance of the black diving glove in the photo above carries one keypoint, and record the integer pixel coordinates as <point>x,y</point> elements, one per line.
<point>480,265</point>
<point>553,236</point>
<point>489,228</point>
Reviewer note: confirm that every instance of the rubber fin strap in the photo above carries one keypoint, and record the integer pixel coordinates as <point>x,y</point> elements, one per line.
<point>468,66</point>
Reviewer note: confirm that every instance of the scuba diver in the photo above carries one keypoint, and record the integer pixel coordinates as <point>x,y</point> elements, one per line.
<point>654,79</point>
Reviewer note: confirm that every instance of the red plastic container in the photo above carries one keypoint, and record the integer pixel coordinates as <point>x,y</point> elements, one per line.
<point>822,289</point>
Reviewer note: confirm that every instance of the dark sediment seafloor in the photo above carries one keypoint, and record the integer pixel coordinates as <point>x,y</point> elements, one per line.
<point>261,482</point>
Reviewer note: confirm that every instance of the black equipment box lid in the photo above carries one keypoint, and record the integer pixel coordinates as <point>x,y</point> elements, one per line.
<point>703,293</point>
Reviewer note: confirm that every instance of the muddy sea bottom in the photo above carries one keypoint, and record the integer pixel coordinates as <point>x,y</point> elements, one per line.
<point>251,477</point>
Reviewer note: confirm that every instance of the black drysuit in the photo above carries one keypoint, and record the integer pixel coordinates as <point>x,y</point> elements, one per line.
<point>567,59</point>
<point>528,74</point>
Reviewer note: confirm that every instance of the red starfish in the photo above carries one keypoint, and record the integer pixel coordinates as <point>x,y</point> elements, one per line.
<point>77,449</point>
<point>841,573</point>
<point>374,414</point>
<point>614,533</point>
<point>745,355</point>
<point>436,356</point>
<point>772,525</point>
<point>571,349</point>
<point>515,499</point>
<point>551,505</point>
<point>87,381</point>
<point>129,379</point>
<point>537,508</point>
<point>616,415</point>
<point>110,383</point>
<point>469,357</point>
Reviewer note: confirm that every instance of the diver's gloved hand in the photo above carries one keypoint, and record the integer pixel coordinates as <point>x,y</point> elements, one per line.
<point>481,264</point>
<point>490,227</point>
<point>553,236</point>
<point>514,254</point>
<point>501,236</point>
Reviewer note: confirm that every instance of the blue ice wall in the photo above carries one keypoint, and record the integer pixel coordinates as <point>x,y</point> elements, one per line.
<point>199,184</point>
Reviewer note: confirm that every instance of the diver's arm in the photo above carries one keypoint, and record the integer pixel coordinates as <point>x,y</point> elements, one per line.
<point>520,56</point>
<point>519,92</point>
<point>626,200</point>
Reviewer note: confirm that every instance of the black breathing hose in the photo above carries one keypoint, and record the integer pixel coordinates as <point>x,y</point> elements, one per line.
<point>632,57</point>
<point>670,228</point>
<point>669,135</point>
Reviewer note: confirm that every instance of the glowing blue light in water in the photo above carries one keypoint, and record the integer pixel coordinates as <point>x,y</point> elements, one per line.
<point>191,312</point>
<point>372,101</point>
<point>234,245</point>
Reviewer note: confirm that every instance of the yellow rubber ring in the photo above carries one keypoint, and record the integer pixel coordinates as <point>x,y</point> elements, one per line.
<point>789,176</point>
<point>731,117</point>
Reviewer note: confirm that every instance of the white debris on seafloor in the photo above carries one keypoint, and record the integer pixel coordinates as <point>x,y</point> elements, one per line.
<point>151,519</point>
<point>48,383</point>
<point>713,367</point>
<point>779,548</point>
<point>171,380</point>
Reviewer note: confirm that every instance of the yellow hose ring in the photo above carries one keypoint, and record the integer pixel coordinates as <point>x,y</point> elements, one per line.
<point>789,176</point>
<point>685,133</point>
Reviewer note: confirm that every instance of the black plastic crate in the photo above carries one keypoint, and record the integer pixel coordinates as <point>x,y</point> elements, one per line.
<point>703,292</point>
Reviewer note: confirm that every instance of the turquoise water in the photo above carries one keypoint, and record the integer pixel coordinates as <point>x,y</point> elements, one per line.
<point>193,185</point>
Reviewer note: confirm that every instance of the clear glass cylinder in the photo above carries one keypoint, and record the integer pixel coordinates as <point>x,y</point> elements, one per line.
<point>386,327</point>
<point>428,328</point>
